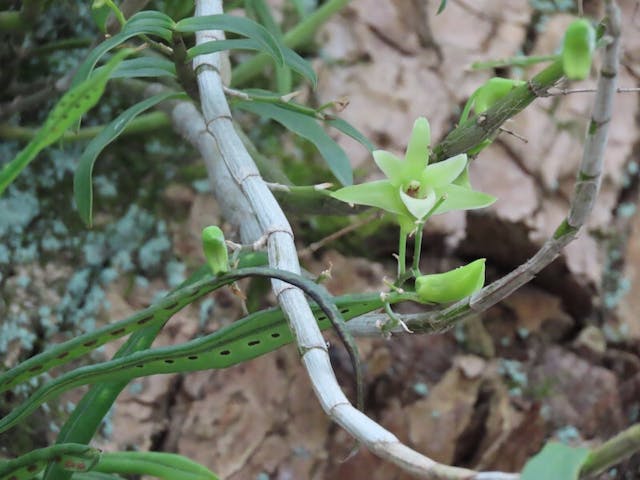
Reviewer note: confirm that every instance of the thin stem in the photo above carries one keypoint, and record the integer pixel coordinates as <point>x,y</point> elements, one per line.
<point>417,249</point>
<point>612,451</point>
<point>145,123</point>
<point>402,253</point>
<point>519,61</point>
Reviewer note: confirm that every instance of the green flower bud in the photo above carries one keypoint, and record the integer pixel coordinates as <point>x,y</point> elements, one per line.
<point>577,49</point>
<point>452,285</point>
<point>215,249</point>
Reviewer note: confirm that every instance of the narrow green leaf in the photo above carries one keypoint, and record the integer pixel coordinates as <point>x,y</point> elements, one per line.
<point>146,22</point>
<point>348,129</point>
<point>82,184</point>
<point>442,6</point>
<point>221,45</point>
<point>261,11</point>
<point>94,476</point>
<point>167,466</point>
<point>69,109</point>
<point>300,65</point>
<point>308,128</point>
<point>555,460</point>
<point>239,25</point>
<point>144,67</point>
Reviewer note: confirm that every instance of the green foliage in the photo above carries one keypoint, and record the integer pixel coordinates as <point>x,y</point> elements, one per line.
<point>75,103</point>
<point>557,461</point>
<point>83,185</point>
<point>307,128</point>
<point>165,466</point>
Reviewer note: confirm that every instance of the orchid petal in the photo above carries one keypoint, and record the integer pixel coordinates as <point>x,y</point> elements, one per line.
<point>417,156</point>
<point>460,198</point>
<point>390,165</point>
<point>443,173</point>
<point>419,207</point>
<point>380,194</point>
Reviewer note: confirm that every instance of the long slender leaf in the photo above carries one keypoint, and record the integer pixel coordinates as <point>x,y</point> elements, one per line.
<point>308,128</point>
<point>142,23</point>
<point>144,67</point>
<point>300,65</point>
<point>167,466</point>
<point>348,129</point>
<point>82,184</point>
<point>221,45</point>
<point>239,25</point>
<point>262,13</point>
<point>69,109</point>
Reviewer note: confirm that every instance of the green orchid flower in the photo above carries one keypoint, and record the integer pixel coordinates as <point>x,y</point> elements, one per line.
<point>415,190</point>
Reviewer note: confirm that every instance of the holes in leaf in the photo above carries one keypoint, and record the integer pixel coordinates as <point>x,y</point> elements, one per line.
<point>118,331</point>
<point>90,343</point>
<point>168,360</point>
<point>140,365</point>
<point>62,355</point>
<point>144,320</point>
<point>171,306</point>
<point>225,352</point>
<point>344,310</point>
<point>275,335</point>
<point>192,357</point>
<point>36,368</point>
<point>253,343</point>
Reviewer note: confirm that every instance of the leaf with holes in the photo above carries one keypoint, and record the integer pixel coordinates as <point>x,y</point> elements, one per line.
<point>69,109</point>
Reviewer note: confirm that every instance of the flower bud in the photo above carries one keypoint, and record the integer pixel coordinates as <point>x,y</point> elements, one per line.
<point>215,249</point>
<point>452,285</point>
<point>577,49</point>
